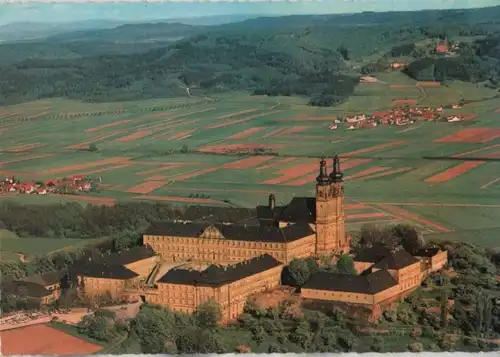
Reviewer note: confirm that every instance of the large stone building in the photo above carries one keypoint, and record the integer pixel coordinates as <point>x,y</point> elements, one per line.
<point>306,226</point>
<point>242,251</point>
<point>383,276</point>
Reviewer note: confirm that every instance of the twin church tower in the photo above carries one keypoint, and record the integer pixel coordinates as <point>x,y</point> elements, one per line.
<point>330,216</point>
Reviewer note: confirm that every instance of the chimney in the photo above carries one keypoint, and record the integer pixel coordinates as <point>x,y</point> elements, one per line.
<point>272,201</point>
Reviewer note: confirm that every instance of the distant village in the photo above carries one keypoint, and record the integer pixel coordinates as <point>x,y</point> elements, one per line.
<point>67,185</point>
<point>398,116</point>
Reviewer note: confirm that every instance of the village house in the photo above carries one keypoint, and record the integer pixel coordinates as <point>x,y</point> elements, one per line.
<point>355,118</point>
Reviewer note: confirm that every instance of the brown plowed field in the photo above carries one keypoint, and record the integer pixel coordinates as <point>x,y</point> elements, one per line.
<point>157,178</point>
<point>398,86</point>
<point>404,102</point>
<point>355,206</point>
<point>477,150</point>
<point>292,173</point>
<point>113,160</point>
<point>277,163</point>
<point>164,167</point>
<point>371,170</point>
<point>20,159</point>
<point>399,212</point>
<point>385,173</point>
<point>366,215</point>
<point>230,115</point>
<point>246,133</point>
<point>472,135</point>
<point>147,187</point>
<point>137,135</point>
<point>84,145</point>
<point>196,173</point>
<point>43,340</point>
<point>428,84</point>
<point>247,163</point>
<point>274,133</point>
<point>455,171</point>
<point>182,135</point>
<point>27,147</point>
<point>239,121</point>
<point>105,126</point>
<point>293,130</point>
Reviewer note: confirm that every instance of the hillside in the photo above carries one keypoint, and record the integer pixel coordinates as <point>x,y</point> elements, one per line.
<point>320,57</point>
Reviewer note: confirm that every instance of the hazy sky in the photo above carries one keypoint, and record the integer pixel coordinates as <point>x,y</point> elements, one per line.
<point>143,11</point>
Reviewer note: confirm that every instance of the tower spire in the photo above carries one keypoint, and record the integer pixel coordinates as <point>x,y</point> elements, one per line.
<point>336,175</point>
<point>323,179</point>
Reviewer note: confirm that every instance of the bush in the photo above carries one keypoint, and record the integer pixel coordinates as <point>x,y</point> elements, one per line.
<point>416,347</point>
<point>416,333</point>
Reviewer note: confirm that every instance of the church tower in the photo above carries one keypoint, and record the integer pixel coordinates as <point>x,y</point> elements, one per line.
<point>330,228</point>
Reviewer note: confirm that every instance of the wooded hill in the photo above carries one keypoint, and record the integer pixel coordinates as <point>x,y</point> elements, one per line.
<point>312,56</point>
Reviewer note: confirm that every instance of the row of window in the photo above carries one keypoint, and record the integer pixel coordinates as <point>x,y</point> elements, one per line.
<point>196,241</point>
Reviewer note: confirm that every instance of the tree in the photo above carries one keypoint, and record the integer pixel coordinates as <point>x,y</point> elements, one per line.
<point>344,52</point>
<point>299,271</point>
<point>301,334</point>
<point>479,313</point>
<point>208,314</point>
<point>96,326</point>
<point>371,234</point>
<point>488,315</point>
<point>93,147</point>
<point>377,344</point>
<point>155,329</point>
<point>444,308</point>
<point>408,237</point>
<point>345,265</point>
<point>274,348</point>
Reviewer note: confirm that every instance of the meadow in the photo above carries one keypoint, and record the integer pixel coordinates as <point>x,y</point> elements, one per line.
<point>25,248</point>
<point>189,151</point>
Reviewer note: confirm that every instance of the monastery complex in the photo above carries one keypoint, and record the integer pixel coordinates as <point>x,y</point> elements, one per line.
<point>228,254</point>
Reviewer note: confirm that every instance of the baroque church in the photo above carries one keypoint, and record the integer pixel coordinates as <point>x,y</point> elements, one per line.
<point>307,226</point>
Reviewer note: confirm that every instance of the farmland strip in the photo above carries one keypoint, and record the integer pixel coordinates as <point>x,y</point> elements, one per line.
<point>455,171</point>
<point>405,214</point>
<point>374,148</point>
<point>246,133</point>
<point>105,126</point>
<point>239,121</point>
<point>386,173</point>
<point>371,170</point>
<point>367,215</point>
<point>247,163</point>
<point>134,136</point>
<point>113,160</point>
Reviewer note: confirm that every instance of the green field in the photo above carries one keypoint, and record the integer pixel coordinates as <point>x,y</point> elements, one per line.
<point>178,132</point>
<point>14,248</point>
